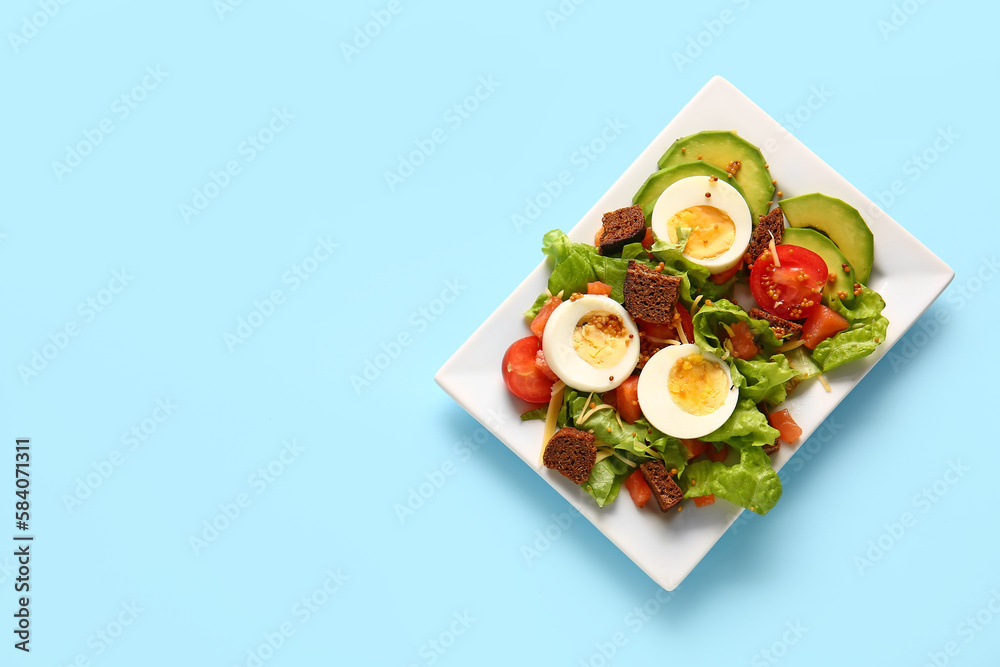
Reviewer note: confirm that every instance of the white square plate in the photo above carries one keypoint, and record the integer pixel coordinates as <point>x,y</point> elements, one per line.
<point>907,274</point>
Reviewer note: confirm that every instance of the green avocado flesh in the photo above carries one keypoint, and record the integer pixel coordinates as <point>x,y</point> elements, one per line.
<point>720,148</point>
<point>810,239</point>
<point>663,179</point>
<point>838,220</point>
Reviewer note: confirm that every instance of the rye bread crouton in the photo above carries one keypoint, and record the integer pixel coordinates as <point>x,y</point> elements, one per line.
<point>663,486</point>
<point>649,295</point>
<point>771,224</point>
<point>781,327</point>
<point>621,227</point>
<point>572,452</point>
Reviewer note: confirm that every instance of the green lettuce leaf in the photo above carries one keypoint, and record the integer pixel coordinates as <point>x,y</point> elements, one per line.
<point>557,245</point>
<point>576,264</point>
<point>715,291</point>
<point>683,234</point>
<point>752,483</point>
<point>634,251</point>
<point>866,332</point>
<point>537,413</point>
<point>535,307</point>
<point>605,480</point>
<point>764,380</point>
<point>746,427</point>
<point>572,275</point>
<point>800,360</point>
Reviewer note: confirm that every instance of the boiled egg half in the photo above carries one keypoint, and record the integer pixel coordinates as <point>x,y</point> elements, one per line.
<point>591,343</point>
<point>686,392</point>
<point>716,214</point>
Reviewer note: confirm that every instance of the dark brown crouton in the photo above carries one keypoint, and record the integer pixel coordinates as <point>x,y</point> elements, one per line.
<point>771,450</point>
<point>663,486</point>
<point>781,327</point>
<point>572,452</point>
<point>650,295</point>
<point>771,224</point>
<point>621,227</point>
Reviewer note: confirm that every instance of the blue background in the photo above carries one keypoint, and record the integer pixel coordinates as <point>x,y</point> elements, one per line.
<point>828,575</point>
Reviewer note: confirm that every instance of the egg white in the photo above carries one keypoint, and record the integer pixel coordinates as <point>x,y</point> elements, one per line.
<point>691,191</point>
<point>658,405</point>
<point>570,367</point>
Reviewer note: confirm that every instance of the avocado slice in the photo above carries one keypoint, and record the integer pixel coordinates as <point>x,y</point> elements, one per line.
<point>720,148</point>
<point>838,220</point>
<point>664,178</point>
<point>810,239</point>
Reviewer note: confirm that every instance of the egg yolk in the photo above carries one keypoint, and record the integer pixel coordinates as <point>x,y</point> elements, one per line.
<point>600,339</point>
<point>697,385</point>
<point>712,231</point>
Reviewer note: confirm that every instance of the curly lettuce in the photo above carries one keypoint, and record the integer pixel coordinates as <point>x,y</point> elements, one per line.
<point>866,331</point>
<point>751,483</point>
<point>576,264</point>
<point>605,480</point>
<point>764,379</point>
<point>747,426</point>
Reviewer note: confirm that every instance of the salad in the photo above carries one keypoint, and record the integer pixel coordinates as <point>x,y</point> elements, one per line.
<point>660,356</point>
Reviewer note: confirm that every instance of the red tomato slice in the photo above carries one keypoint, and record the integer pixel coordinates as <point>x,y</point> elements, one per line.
<point>704,501</point>
<point>611,398</point>
<point>538,324</point>
<point>662,331</point>
<point>521,375</point>
<point>694,447</point>
<point>823,323</point>
<point>649,239</point>
<point>668,330</point>
<point>720,278</point>
<point>686,323</point>
<point>628,399</point>
<point>718,456</point>
<point>638,488</point>
<point>792,290</point>
<point>598,288</point>
<point>788,430</point>
<point>742,341</point>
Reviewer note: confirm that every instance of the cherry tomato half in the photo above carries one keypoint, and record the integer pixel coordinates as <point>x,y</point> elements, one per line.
<point>523,378</point>
<point>793,289</point>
